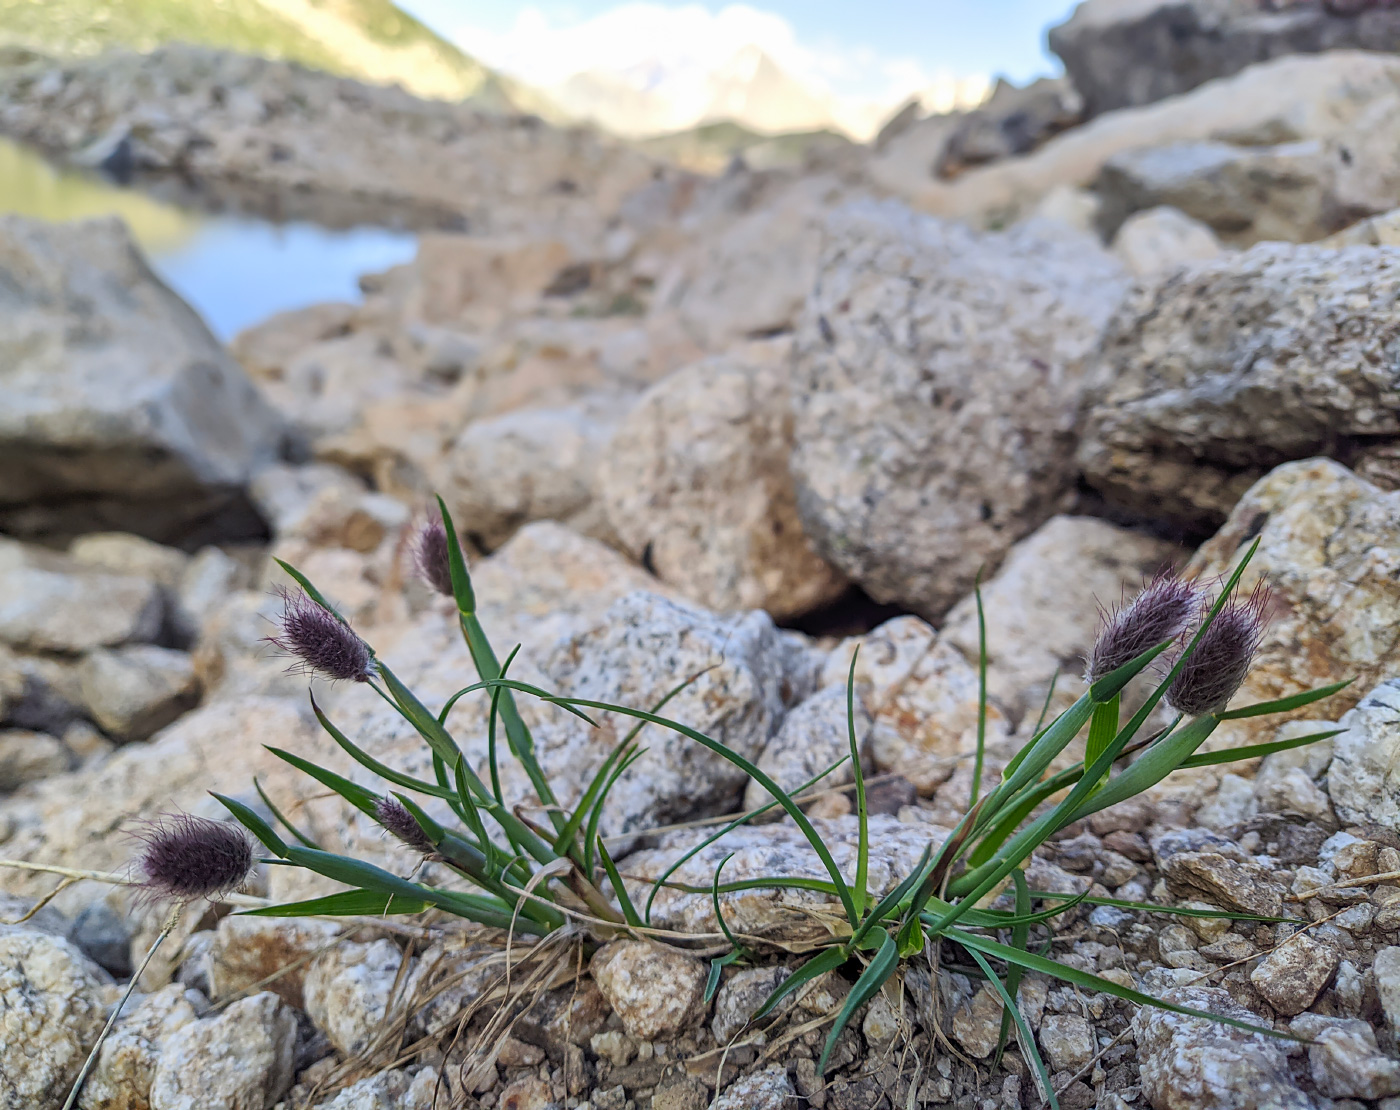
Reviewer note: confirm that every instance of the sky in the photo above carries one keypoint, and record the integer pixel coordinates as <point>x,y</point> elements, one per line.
<point>867,55</point>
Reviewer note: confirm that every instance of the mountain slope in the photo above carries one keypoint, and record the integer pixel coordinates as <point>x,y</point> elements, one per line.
<point>371,40</point>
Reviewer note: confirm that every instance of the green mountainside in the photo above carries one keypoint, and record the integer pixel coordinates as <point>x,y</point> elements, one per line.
<point>371,40</point>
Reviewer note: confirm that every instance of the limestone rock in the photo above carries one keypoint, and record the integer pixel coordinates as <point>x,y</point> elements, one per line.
<point>1387,969</point>
<point>529,464</point>
<point>766,850</point>
<point>811,738</point>
<point>349,989</point>
<point>937,372</point>
<point>696,484</point>
<point>1235,365</point>
<point>655,991</point>
<point>121,410</point>
<point>1279,101</point>
<point>1292,976</point>
<point>137,690</point>
<point>1359,779</point>
<point>1043,607</point>
<point>1068,1041</point>
<point>241,1059</point>
<point>1345,1060</point>
<point>136,556</point>
<point>740,998</point>
<point>53,1006</point>
<point>1160,240</point>
<point>49,605</point>
<point>1326,543</point>
<point>126,1066</point>
<point>1011,121</point>
<point>1120,53</point>
<point>922,695</point>
<point>249,950</point>
<point>389,1090</point>
<point>325,506</point>
<point>267,347</point>
<point>1375,231</point>
<point>29,756</point>
<point>768,1089</point>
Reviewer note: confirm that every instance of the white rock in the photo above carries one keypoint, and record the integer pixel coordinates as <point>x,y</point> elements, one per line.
<point>52,1007</point>
<point>239,1060</point>
<point>137,690</point>
<point>349,990</point>
<point>811,738</point>
<point>121,408</point>
<point>1156,241</point>
<point>126,1066</point>
<point>1068,1041</point>
<point>696,484</point>
<point>769,1089</point>
<point>655,991</point>
<point>1345,1060</point>
<point>29,756</point>
<point>916,464</point>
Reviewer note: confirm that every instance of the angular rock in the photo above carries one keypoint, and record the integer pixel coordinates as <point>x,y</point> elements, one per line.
<point>53,1004</point>
<point>1224,882</point>
<point>122,410</point>
<point>1359,779</point>
<point>49,605</point>
<point>811,738</point>
<point>122,553</point>
<point>1235,365</point>
<point>1285,100</point>
<point>349,989</point>
<point>915,463</point>
<point>741,996</point>
<point>1011,121</point>
<point>769,1089</point>
<point>696,484</point>
<point>1326,548</point>
<point>240,1060</point>
<point>1160,240</point>
<point>1068,1041</point>
<point>1387,970</point>
<point>1043,607</point>
<point>1191,1063</point>
<point>29,756</point>
<point>1345,1060</point>
<point>251,950</point>
<point>389,1090</point>
<point>325,506</point>
<point>922,695</point>
<point>126,1066</point>
<point>655,991</point>
<point>134,691</point>
<point>767,850</point>
<point>531,464</point>
<point>1123,54</point>
<point>1292,976</point>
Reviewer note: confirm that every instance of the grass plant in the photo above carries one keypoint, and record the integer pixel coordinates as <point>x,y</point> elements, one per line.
<point>534,877</point>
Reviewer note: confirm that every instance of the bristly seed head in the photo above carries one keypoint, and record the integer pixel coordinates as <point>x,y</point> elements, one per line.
<point>321,642</point>
<point>188,858</point>
<point>1214,672</point>
<point>1161,612</point>
<point>398,820</point>
<point>430,553</point>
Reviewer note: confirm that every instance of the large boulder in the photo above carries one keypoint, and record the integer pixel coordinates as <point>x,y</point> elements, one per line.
<point>121,410</point>
<point>936,375</point>
<point>1123,53</point>
<point>1234,365</point>
<point>696,484</point>
<point>1285,100</point>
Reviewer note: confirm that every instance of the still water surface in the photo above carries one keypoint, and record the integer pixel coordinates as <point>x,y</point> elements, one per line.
<point>234,270</point>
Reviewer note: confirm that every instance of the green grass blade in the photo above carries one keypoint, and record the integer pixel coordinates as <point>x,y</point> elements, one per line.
<point>313,593</point>
<point>362,799</point>
<point>595,816</point>
<point>875,976</point>
<point>981,693</point>
<point>254,824</point>
<point>1254,751</point>
<point>457,564</point>
<point>1284,705</point>
<point>886,906</point>
<point>1155,764</point>
<point>1103,727</point>
<point>1175,911</point>
<point>431,829</point>
<point>1012,1011</point>
<point>719,911</point>
<point>281,817</point>
<point>624,900</point>
<point>791,807</point>
<point>1020,938</point>
<point>828,959</point>
<point>743,819</point>
<point>348,903</point>
<point>1031,962</point>
<point>717,966</point>
<point>1045,706</point>
<point>859,893</point>
<point>417,714</point>
<point>1032,760</point>
<point>364,759</point>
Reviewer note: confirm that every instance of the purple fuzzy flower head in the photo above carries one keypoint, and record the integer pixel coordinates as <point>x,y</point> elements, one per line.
<point>399,820</point>
<point>187,858</point>
<point>1161,612</point>
<point>430,554</point>
<point>321,642</point>
<point>1213,673</point>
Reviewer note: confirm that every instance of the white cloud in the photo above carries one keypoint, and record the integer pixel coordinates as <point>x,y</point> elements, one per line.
<point>643,68</point>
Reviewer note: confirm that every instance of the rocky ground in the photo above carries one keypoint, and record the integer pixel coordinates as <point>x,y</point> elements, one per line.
<point>736,427</point>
